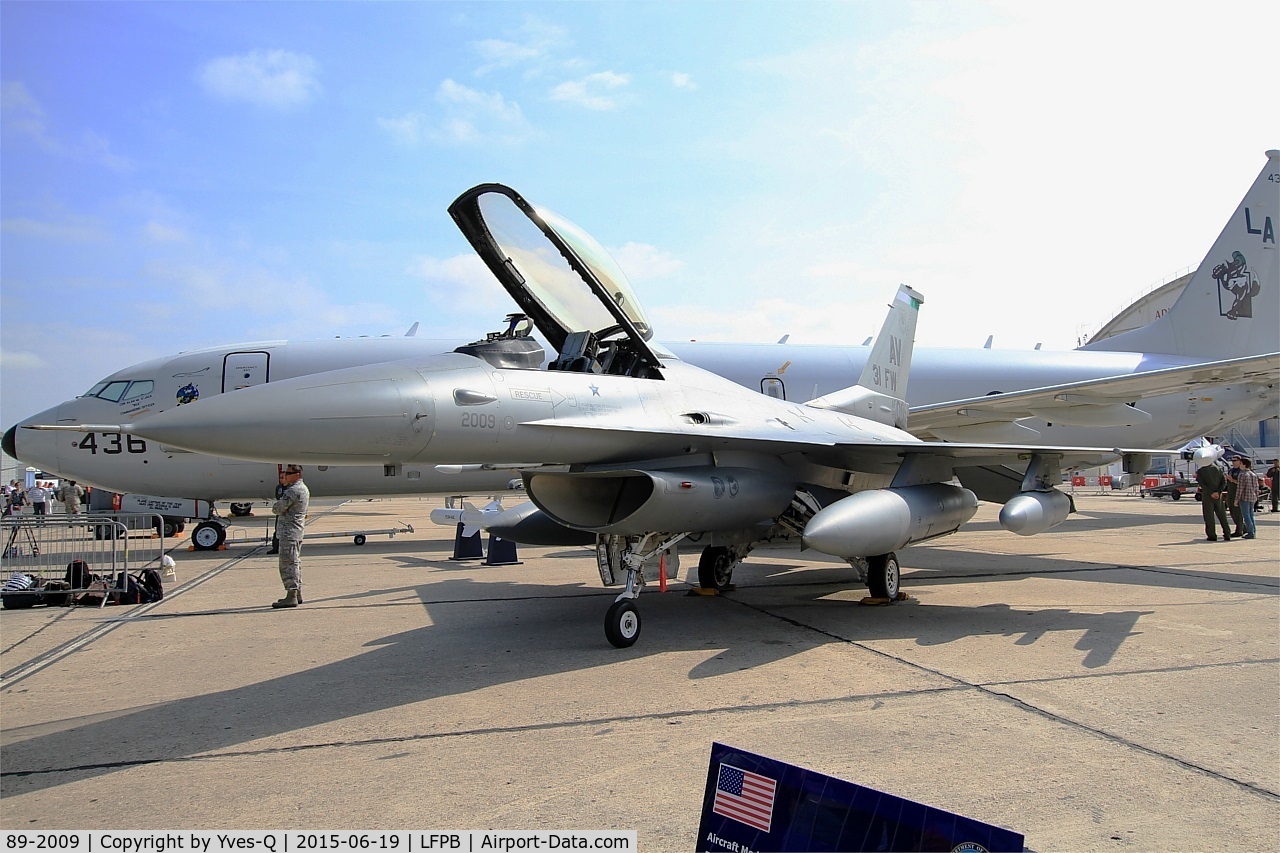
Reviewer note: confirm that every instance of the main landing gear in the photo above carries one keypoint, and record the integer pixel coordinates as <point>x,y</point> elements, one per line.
<point>630,554</point>
<point>715,567</point>
<point>884,576</point>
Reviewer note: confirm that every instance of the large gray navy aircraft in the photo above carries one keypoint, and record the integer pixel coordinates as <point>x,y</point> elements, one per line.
<point>1209,362</point>
<point>620,439</point>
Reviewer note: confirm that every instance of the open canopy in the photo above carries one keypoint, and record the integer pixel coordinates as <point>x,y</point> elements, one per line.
<point>576,295</point>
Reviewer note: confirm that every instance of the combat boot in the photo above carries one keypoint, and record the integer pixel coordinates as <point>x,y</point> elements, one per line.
<point>291,599</point>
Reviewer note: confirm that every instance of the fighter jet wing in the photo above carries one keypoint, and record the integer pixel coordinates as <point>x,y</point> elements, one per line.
<point>1095,402</point>
<point>821,443</point>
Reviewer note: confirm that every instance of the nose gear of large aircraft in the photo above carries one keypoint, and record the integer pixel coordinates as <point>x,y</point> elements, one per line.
<point>208,536</point>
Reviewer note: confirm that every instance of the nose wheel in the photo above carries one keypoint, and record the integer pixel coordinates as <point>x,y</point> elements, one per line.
<point>622,623</point>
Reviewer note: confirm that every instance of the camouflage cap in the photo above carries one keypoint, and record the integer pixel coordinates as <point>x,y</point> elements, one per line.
<point>293,469</point>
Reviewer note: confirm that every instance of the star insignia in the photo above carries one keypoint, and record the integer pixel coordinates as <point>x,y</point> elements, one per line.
<point>595,390</point>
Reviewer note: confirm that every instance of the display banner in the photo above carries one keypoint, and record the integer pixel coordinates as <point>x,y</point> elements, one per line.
<point>753,803</point>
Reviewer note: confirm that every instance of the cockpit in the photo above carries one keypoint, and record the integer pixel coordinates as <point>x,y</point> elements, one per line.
<point>116,390</point>
<point>564,282</point>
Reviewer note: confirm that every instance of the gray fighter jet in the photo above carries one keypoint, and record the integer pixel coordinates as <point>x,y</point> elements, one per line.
<point>657,449</point>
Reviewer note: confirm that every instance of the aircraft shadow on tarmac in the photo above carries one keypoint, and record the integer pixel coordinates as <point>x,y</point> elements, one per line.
<point>541,631</point>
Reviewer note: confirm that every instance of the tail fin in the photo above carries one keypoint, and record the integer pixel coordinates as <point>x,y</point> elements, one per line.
<point>1231,306</point>
<point>880,394</point>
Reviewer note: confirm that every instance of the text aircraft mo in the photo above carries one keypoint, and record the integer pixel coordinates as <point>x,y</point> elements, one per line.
<point>658,449</point>
<point>1208,363</point>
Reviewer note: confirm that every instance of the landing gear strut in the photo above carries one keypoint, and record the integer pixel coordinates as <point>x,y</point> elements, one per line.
<point>629,554</point>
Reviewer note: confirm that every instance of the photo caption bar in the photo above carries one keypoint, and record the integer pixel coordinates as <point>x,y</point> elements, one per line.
<point>343,841</point>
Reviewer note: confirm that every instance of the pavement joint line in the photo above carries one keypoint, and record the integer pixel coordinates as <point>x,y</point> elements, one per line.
<point>1027,706</point>
<point>52,656</point>
<point>1111,737</point>
<point>764,707</point>
<point>36,632</point>
<point>23,671</point>
<point>1191,667</point>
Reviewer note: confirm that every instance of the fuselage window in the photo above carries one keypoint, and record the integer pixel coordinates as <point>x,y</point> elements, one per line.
<point>773,388</point>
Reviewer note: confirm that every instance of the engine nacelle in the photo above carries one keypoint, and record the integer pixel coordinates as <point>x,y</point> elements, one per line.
<point>876,522</point>
<point>1029,513</point>
<point>631,502</point>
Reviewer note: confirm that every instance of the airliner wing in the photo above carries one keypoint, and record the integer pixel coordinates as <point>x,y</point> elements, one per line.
<point>1095,402</point>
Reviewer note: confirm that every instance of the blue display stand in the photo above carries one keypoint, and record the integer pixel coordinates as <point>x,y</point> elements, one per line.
<point>501,552</point>
<point>466,547</point>
<point>753,803</point>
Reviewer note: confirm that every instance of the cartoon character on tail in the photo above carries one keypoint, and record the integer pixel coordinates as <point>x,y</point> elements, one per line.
<point>1235,277</point>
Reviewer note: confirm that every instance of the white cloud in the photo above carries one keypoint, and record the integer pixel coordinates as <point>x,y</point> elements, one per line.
<point>681,80</point>
<point>76,230</point>
<point>219,289</point>
<point>498,53</point>
<point>158,232</point>
<point>463,283</point>
<point>23,114</point>
<point>18,360</point>
<point>531,44</point>
<point>267,78</point>
<point>466,116</point>
<point>641,261</point>
<point>592,91</point>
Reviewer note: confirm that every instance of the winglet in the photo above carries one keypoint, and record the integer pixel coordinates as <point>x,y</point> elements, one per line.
<point>882,388</point>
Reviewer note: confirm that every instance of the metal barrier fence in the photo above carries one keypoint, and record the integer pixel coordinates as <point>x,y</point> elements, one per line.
<point>112,544</point>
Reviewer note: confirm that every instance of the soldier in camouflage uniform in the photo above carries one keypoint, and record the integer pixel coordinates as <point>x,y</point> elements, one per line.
<point>291,507</point>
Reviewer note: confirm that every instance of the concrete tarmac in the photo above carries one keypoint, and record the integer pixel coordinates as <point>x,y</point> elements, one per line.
<point>1112,685</point>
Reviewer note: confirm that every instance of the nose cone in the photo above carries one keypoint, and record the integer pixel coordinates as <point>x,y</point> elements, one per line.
<point>38,449</point>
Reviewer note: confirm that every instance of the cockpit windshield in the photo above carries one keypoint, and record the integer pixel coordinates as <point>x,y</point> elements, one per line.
<point>115,390</point>
<point>566,282</point>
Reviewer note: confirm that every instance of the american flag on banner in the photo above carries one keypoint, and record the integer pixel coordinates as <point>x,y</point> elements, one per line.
<point>744,796</point>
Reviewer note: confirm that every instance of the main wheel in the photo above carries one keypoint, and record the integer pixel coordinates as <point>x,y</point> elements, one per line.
<point>622,623</point>
<point>883,575</point>
<point>715,568</point>
<point>359,539</point>
<point>208,536</point>
<point>240,510</point>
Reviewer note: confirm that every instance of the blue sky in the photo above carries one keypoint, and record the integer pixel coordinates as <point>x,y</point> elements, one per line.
<point>176,175</point>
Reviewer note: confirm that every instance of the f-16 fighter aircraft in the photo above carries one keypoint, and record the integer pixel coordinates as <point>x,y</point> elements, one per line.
<point>1203,365</point>
<point>657,449</point>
